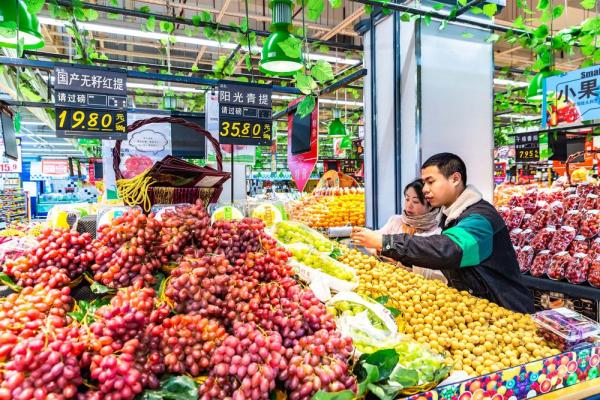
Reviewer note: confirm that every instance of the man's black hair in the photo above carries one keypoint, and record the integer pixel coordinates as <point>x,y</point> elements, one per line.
<point>448,164</point>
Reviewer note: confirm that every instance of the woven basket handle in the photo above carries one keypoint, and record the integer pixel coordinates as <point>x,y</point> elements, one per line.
<point>173,120</point>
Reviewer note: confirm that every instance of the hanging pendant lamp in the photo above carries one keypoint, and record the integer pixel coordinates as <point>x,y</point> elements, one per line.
<point>336,127</point>
<point>16,23</point>
<point>535,92</point>
<point>346,143</point>
<point>274,60</point>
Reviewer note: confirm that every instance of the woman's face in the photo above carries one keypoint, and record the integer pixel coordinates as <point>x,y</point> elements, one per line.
<point>412,204</point>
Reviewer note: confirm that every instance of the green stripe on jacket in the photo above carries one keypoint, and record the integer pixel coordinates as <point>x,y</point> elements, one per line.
<point>474,236</point>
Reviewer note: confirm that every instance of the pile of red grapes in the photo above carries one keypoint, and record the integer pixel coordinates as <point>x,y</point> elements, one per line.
<point>60,256</point>
<point>124,250</point>
<point>183,227</point>
<point>230,310</point>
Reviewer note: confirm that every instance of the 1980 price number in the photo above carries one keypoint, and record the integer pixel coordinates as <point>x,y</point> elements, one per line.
<point>90,120</point>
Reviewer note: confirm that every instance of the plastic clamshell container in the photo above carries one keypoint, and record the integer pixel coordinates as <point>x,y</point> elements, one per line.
<point>310,274</point>
<point>304,235</point>
<point>566,328</point>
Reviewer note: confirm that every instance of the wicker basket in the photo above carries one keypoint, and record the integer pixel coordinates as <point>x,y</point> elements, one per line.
<point>175,195</point>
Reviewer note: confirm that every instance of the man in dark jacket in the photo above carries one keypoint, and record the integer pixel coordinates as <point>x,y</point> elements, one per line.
<point>473,251</point>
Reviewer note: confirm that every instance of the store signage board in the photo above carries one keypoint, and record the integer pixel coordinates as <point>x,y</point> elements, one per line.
<point>527,147</point>
<point>245,114</point>
<point>55,168</point>
<point>91,123</point>
<point>302,165</point>
<point>91,103</point>
<point>7,165</point>
<point>90,80</point>
<point>571,98</point>
<point>69,98</point>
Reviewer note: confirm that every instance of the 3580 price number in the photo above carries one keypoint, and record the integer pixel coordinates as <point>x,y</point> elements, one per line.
<point>245,132</point>
<point>532,154</point>
<point>90,120</point>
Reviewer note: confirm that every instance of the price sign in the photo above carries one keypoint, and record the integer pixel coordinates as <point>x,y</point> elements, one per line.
<point>527,147</point>
<point>102,124</point>
<point>91,102</point>
<point>236,131</point>
<point>245,115</point>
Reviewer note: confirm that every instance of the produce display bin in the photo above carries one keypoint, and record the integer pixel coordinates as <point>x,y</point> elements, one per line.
<point>546,378</point>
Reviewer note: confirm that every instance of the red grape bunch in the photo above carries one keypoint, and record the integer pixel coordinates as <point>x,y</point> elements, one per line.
<point>269,265</point>
<point>234,239</point>
<point>318,362</point>
<point>282,306</point>
<point>251,357</point>
<point>200,285</point>
<point>60,256</point>
<point>124,250</point>
<point>117,376</point>
<point>181,228</point>
<point>188,342</point>
<point>125,318</point>
<point>44,366</point>
<point>217,388</point>
<point>25,313</point>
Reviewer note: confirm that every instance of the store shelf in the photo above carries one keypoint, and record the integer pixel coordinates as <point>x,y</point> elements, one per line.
<point>584,291</point>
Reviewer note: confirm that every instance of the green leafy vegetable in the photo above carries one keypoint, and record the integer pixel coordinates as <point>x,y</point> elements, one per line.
<point>305,83</point>
<point>173,388</point>
<point>467,35</point>
<point>306,106</point>
<point>151,24</point>
<point>343,395</point>
<point>336,3</point>
<point>385,361</point>
<point>292,47</point>
<point>35,6</point>
<point>490,9</point>
<point>322,71</point>
<point>405,377</point>
<point>7,280</point>
<point>98,288</point>
<point>588,4</point>
<point>167,27</point>
<point>314,9</point>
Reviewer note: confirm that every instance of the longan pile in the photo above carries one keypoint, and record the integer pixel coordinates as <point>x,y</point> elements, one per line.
<point>479,336</point>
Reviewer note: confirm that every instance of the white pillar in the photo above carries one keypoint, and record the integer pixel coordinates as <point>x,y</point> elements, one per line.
<point>433,92</point>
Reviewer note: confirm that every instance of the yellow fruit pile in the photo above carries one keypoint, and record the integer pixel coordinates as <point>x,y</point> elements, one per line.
<point>343,209</point>
<point>480,337</point>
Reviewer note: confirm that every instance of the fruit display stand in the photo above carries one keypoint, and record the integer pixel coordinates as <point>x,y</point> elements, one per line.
<point>338,200</point>
<point>569,375</point>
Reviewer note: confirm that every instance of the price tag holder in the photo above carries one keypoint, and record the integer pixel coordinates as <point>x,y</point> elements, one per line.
<point>91,123</point>
<point>527,147</point>
<point>245,114</point>
<point>250,132</point>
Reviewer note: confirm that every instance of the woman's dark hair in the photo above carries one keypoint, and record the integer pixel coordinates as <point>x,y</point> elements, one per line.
<point>417,185</point>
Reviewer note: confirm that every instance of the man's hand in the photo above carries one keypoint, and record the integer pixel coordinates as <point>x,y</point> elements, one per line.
<point>367,238</point>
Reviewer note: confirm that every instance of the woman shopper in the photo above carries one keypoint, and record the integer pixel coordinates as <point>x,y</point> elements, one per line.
<point>418,218</point>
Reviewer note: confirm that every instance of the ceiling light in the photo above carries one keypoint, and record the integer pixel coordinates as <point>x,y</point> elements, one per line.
<point>32,123</point>
<point>336,127</point>
<point>346,143</point>
<point>179,39</point>
<point>274,59</point>
<point>35,135</point>
<point>148,86</point>
<point>14,13</point>
<point>536,88</point>
<point>507,82</point>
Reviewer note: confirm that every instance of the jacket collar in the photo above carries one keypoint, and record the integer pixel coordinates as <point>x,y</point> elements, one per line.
<point>467,198</point>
